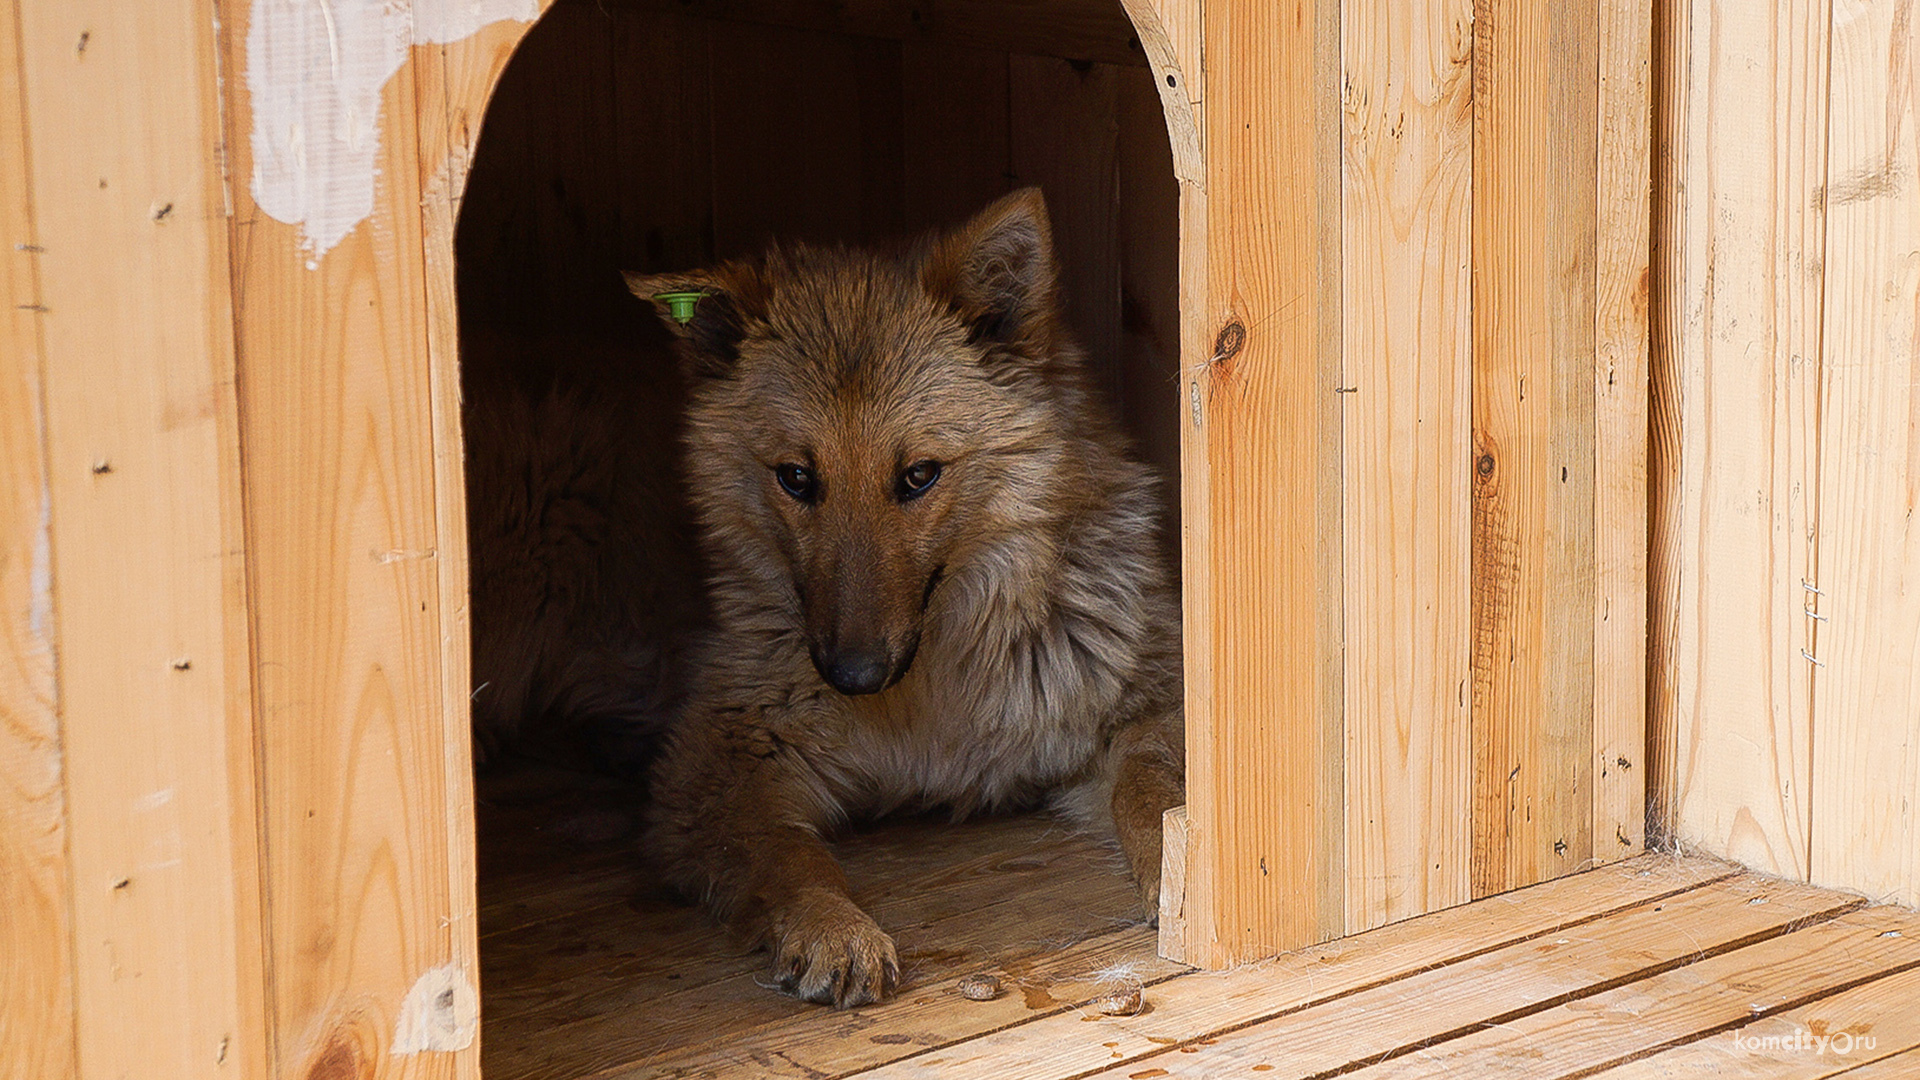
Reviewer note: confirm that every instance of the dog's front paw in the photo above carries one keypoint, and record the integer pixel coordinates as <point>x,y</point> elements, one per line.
<point>826,950</point>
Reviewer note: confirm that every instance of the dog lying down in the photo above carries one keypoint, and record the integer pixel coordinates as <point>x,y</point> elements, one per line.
<point>935,580</point>
<point>933,575</point>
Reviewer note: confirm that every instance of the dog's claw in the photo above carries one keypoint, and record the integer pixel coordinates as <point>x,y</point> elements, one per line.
<point>836,955</point>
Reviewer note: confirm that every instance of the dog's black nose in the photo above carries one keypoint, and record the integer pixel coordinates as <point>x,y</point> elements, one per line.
<point>854,671</point>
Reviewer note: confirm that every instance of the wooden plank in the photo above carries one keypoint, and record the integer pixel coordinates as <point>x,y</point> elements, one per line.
<point>453,84</point>
<point>1743,290</point>
<point>142,489</point>
<point>371,912</point>
<point>1621,342</point>
<point>1407,424</point>
<point>1008,909</point>
<point>1893,1067</point>
<point>1149,226</point>
<point>1259,492</point>
<point>1065,140</point>
<point>1881,1010</point>
<point>1666,537</point>
<point>1197,1006</point>
<point>1489,988</point>
<point>1703,999</point>
<point>1033,983</point>
<point>604,959</point>
<point>801,122</point>
<point>663,142</point>
<point>1866,639</point>
<point>1535,81</point>
<point>956,132</point>
<point>36,937</point>
<point>1067,29</point>
<point>1173,885</point>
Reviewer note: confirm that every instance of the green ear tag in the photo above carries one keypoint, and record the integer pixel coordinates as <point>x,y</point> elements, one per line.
<point>680,304</point>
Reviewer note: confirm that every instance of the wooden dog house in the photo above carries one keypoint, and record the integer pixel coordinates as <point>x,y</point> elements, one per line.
<point>1536,484</point>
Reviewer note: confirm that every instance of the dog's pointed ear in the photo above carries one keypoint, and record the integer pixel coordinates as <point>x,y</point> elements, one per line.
<point>998,270</point>
<point>709,312</point>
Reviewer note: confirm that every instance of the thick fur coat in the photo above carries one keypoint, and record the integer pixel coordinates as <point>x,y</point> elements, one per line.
<point>934,577</point>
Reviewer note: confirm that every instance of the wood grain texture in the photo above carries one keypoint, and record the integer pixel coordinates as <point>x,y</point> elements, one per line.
<point>1260,505</point>
<point>1493,987</point>
<point>142,492</point>
<point>1742,247</point>
<point>1880,1010</point>
<point>1535,86</point>
<point>1865,798</point>
<point>1407,428</point>
<point>1623,235</point>
<point>1672,31</point>
<point>36,937</point>
<point>366,866</point>
<point>1198,1007</point>
<point>453,83</point>
<point>1704,998</point>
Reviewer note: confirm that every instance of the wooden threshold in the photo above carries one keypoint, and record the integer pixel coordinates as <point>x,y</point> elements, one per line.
<point>1653,967</point>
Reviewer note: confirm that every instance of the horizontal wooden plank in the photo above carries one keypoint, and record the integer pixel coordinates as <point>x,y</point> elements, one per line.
<point>1069,29</point>
<point>1786,1046</point>
<point>1050,981</point>
<point>1489,988</point>
<point>1192,1008</point>
<point>1712,996</point>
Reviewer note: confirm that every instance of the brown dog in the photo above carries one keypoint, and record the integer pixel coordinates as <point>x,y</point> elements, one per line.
<point>935,580</point>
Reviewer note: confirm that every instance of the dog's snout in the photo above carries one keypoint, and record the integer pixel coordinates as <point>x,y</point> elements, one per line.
<point>855,671</point>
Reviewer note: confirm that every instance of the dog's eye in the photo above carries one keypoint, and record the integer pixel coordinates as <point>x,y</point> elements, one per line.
<point>797,481</point>
<point>916,478</point>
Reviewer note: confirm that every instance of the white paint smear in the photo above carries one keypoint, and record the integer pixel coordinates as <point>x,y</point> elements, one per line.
<point>315,69</point>
<point>440,1013</point>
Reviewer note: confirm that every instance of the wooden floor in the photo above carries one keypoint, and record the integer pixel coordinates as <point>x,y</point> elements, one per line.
<point>1658,967</point>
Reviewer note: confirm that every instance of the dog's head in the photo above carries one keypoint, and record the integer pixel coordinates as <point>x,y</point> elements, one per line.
<point>862,424</point>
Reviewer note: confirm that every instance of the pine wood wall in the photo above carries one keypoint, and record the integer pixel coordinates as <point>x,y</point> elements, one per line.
<point>1787,706</point>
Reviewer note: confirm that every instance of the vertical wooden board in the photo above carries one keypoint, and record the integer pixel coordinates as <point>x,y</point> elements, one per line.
<point>1065,140</point>
<point>1150,282</point>
<point>663,142</point>
<point>1621,341</point>
<point>955,122</point>
<point>1671,129</point>
<point>807,140</point>
<point>142,495</point>
<point>453,82</point>
<point>1407,151</point>
<point>371,909</point>
<point>1866,685</point>
<point>1535,82</point>
<point>36,937</point>
<point>1744,298</point>
<point>1259,491</point>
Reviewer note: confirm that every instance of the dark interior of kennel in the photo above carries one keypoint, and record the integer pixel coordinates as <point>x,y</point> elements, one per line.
<point>658,135</point>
